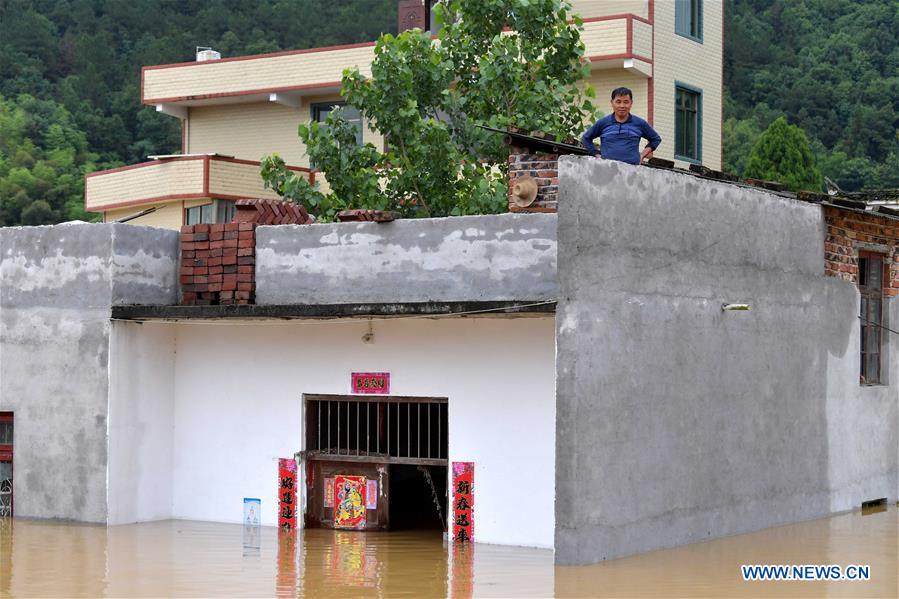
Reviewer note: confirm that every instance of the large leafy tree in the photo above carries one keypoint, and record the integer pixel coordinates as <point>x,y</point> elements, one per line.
<point>782,154</point>
<point>499,63</point>
<point>43,159</point>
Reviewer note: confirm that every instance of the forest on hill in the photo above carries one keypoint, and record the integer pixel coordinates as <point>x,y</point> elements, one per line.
<point>70,81</point>
<point>830,67</point>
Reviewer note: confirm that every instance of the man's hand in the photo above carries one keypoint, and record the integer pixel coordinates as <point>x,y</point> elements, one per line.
<point>646,155</point>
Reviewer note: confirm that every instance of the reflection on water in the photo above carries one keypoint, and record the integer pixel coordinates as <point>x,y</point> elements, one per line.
<point>182,559</point>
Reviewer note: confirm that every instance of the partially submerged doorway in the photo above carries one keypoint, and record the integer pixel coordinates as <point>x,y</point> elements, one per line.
<point>389,453</point>
<point>6,460</point>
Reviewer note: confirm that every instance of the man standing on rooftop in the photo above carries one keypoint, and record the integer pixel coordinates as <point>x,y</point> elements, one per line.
<point>620,132</point>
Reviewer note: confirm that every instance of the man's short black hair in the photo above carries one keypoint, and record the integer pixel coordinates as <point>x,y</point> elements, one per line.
<point>622,91</point>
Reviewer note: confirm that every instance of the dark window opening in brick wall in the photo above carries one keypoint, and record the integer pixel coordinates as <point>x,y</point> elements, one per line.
<point>871,276</point>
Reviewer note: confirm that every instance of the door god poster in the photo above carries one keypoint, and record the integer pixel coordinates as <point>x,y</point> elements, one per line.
<point>349,502</point>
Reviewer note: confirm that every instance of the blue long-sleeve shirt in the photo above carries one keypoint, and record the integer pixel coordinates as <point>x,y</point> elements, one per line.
<point>620,141</point>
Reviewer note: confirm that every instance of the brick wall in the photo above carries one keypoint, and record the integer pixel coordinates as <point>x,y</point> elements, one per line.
<point>849,232</point>
<point>218,264</point>
<point>544,168</point>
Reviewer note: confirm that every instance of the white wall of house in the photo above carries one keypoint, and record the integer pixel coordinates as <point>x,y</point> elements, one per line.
<point>238,407</point>
<point>141,419</point>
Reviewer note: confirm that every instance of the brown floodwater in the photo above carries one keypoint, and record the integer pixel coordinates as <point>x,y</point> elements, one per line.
<point>190,559</point>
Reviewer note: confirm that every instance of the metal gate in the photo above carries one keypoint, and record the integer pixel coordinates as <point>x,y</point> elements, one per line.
<point>397,430</point>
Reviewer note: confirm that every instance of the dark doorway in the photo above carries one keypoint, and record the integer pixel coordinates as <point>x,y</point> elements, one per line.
<point>398,445</point>
<point>417,497</point>
<point>6,436</point>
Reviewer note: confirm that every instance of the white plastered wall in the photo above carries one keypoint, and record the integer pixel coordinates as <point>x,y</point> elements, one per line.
<point>238,407</point>
<point>141,418</point>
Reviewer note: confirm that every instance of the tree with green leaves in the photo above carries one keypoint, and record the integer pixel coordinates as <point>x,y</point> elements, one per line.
<point>499,63</point>
<point>782,154</point>
<point>831,67</point>
<point>43,159</point>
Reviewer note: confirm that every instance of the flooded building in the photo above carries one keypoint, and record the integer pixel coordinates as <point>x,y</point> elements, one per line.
<point>668,359</point>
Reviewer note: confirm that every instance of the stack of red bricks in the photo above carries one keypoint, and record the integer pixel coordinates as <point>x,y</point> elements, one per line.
<point>271,212</point>
<point>218,264</point>
<point>544,168</point>
<point>849,231</point>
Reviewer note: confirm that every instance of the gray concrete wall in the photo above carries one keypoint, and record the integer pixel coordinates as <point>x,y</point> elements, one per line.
<point>56,288</point>
<point>476,258</point>
<point>676,421</point>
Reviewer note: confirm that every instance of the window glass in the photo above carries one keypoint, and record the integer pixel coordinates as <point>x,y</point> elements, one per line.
<point>224,211</point>
<point>432,21</point>
<point>200,215</point>
<point>870,286</point>
<point>686,124</point>
<point>5,433</point>
<point>688,18</point>
<point>320,113</point>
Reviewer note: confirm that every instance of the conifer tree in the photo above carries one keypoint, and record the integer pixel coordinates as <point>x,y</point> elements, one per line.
<point>782,154</point>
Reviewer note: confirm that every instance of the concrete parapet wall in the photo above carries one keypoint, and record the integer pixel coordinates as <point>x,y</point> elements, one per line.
<point>57,285</point>
<point>476,258</point>
<point>679,422</point>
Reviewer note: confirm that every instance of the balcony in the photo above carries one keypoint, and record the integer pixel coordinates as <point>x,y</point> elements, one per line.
<point>254,78</point>
<point>619,41</point>
<point>177,178</point>
<point>614,41</point>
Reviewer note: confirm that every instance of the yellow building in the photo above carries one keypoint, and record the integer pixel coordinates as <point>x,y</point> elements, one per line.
<point>234,111</point>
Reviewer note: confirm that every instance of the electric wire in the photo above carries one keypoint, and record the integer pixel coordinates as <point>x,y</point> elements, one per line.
<point>872,323</point>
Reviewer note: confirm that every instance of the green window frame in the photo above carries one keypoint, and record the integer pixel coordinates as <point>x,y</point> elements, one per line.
<point>688,19</point>
<point>687,123</point>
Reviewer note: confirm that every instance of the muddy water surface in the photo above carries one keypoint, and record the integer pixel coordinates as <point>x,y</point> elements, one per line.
<point>189,559</point>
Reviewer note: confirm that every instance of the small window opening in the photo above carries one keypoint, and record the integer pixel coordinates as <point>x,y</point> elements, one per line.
<point>871,275</point>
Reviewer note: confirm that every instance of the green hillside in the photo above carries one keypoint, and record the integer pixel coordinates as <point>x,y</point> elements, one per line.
<point>829,66</point>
